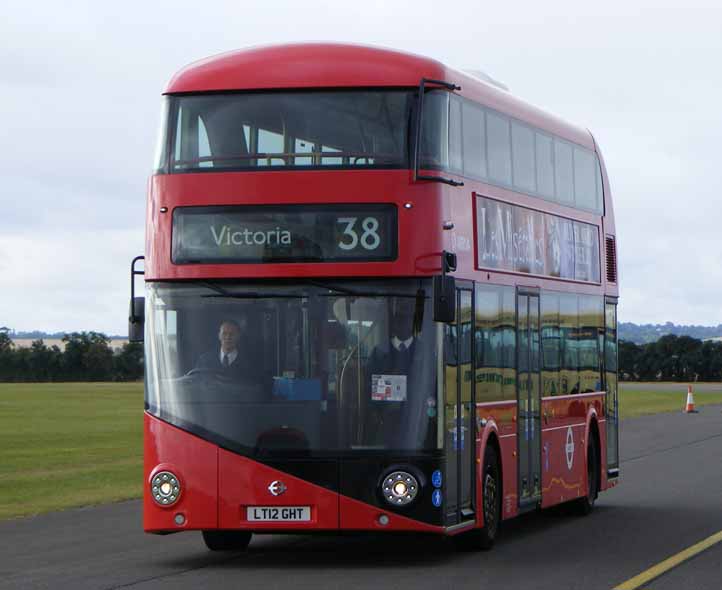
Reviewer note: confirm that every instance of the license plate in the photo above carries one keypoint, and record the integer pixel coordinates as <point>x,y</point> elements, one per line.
<point>278,513</point>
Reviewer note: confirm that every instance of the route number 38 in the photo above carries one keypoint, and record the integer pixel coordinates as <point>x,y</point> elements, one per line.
<point>369,239</point>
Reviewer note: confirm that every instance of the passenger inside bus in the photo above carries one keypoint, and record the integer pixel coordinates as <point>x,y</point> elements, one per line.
<point>390,373</point>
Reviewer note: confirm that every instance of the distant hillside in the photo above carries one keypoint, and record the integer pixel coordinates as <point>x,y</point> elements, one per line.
<point>629,331</point>
<point>645,333</point>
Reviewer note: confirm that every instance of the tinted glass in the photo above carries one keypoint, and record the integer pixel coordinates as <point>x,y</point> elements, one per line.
<point>551,343</point>
<point>522,142</point>
<point>489,344</point>
<point>508,327</point>
<point>585,182</point>
<point>506,152</point>
<point>474,132</point>
<point>591,326</point>
<point>568,327</point>
<point>252,130</point>
<point>544,165</point>
<point>290,368</point>
<point>563,172</point>
<point>455,161</point>
<point>434,143</point>
<point>499,147</point>
<point>610,378</point>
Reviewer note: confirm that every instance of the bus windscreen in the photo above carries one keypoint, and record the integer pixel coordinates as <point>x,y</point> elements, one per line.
<point>295,367</point>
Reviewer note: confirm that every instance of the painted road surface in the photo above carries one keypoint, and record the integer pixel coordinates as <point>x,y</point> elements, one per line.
<point>693,573</point>
<point>668,500</point>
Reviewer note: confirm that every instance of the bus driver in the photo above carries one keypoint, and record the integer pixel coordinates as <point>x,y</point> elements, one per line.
<point>227,359</point>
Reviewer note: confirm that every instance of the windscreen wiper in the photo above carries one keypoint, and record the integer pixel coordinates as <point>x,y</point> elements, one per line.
<point>252,295</point>
<point>334,288</point>
<point>336,291</point>
<point>224,293</point>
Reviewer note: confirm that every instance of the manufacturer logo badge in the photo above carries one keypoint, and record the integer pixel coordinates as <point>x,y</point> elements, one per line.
<point>277,487</point>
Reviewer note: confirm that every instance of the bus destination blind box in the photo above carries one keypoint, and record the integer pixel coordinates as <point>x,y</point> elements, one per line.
<point>285,233</point>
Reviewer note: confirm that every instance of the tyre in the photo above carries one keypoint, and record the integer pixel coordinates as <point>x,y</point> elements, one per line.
<point>483,539</point>
<point>227,540</point>
<point>585,504</point>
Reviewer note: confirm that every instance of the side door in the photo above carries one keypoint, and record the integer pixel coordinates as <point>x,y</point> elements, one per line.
<point>610,380</point>
<point>528,355</point>
<point>459,424</point>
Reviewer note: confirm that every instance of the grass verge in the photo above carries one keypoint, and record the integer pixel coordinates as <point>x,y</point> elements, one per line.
<point>69,444</point>
<point>75,444</point>
<point>638,403</point>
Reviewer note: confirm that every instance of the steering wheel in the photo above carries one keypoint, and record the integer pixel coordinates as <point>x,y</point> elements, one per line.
<point>208,372</point>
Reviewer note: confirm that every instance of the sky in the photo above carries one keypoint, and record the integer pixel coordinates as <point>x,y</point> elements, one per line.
<point>80,86</point>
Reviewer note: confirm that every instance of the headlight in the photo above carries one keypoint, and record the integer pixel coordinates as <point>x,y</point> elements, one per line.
<point>400,488</point>
<point>165,488</point>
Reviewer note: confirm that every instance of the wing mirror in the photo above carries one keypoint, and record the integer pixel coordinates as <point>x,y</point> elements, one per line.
<point>445,290</point>
<point>136,315</point>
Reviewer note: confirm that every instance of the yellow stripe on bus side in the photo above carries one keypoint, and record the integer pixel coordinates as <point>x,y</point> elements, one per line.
<point>669,563</point>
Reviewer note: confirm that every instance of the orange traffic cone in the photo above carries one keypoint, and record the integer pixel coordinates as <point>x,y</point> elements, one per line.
<point>689,408</point>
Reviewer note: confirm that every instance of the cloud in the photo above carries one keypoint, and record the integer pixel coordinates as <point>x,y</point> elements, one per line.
<point>80,97</point>
<point>67,280</point>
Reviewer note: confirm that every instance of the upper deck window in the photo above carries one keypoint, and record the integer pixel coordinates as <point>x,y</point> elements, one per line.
<point>258,130</point>
<point>506,152</point>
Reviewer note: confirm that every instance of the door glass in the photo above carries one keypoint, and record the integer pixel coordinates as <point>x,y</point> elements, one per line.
<point>523,393</point>
<point>466,419</point>
<point>451,415</point>
<point>459,433</point>
<point>610,376</point>
<point>534,397</point>
<point>529,396</point>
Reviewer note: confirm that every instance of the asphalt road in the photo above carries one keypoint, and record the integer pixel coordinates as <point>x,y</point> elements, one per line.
<point>668,499</point>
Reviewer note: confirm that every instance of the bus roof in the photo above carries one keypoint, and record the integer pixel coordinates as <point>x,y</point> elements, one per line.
<point>334,65</point>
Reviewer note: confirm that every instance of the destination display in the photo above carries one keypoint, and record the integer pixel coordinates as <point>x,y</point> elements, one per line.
<point>284,233</point>
<point>518,239</point>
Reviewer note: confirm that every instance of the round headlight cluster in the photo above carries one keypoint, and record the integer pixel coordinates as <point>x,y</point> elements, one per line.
<point>165,488</point>
<point>400,488</point>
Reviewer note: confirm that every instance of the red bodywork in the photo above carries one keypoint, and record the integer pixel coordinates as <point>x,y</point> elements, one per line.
<point>218,484</point>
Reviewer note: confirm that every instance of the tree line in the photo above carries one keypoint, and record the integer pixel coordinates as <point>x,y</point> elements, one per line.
<point>671,358</point>
<point>87,356</point>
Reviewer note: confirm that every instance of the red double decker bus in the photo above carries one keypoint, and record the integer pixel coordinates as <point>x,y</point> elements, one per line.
<point>380,295</point>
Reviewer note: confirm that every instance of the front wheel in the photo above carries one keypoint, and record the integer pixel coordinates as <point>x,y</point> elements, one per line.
<point>227,540</point>
<point>483,539</point>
